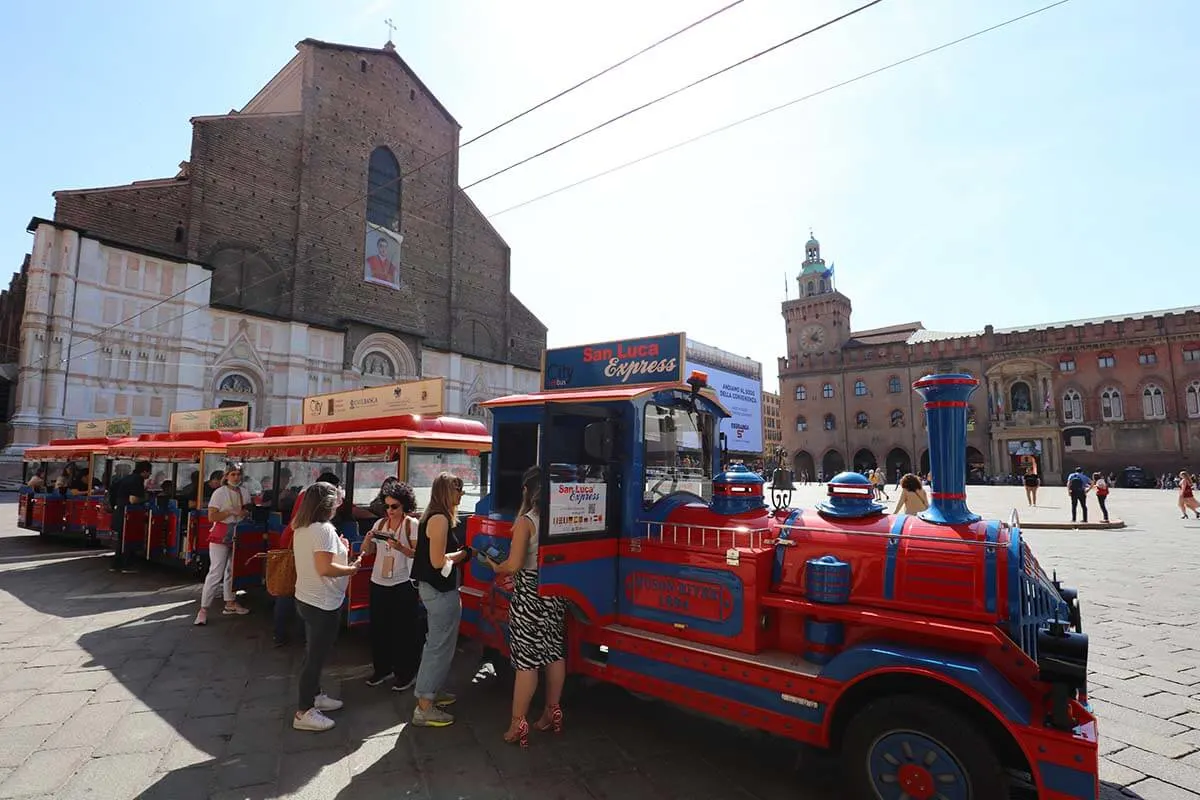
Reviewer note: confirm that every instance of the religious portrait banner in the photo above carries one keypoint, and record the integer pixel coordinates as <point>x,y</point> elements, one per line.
<point>381,263</point>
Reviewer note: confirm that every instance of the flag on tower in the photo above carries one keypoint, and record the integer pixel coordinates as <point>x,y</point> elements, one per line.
<point>1046,405</point>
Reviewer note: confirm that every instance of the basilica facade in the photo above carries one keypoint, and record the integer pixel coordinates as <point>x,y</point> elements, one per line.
<point>1103,394</point>
<point>314,240</point>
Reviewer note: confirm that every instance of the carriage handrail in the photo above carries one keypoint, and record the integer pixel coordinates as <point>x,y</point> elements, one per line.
<point>752,536</point>
<point>915,537</point>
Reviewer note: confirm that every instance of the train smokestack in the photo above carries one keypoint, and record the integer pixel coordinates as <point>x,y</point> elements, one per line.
<point>946,412</point>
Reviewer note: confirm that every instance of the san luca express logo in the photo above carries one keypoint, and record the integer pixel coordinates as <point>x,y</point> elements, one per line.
<point>619,364</point>
<point>696,599</point>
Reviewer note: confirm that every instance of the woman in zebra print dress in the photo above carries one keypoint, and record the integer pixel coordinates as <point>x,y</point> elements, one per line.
<point>536,624</point>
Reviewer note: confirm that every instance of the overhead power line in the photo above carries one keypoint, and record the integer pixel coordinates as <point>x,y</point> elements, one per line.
<point>773,109</point>
<point>410,173</point>
<point>675,92</point>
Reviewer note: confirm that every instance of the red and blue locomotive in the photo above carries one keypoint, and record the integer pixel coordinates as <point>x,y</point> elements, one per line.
<point>932,651</point>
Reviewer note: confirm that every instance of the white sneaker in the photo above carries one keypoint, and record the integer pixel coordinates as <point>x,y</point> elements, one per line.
<point>312,720</point>
<point>324,702</point>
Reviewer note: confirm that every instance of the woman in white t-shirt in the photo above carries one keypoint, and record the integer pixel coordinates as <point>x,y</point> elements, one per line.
<point>226,508</point>
<point>395,624</point>
<point>322,574</point>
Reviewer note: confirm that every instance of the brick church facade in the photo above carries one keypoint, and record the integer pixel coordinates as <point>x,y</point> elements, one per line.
<point>314,240</point>
<point>1103,393</point>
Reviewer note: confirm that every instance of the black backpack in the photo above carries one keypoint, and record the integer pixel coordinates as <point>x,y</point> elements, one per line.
<point>1075,484</point>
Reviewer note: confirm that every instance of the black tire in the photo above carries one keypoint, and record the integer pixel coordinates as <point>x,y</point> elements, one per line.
<point>893,730</point>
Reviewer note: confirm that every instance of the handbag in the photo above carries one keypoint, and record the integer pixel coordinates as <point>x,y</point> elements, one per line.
<point>281,571</point>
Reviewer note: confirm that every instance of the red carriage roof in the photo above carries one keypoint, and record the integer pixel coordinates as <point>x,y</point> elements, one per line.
<point>73,449</point>
<point>363,437</point>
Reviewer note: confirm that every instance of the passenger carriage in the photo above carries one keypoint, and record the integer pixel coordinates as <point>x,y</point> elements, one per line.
<point>365,437</point>
<point>55,513</point>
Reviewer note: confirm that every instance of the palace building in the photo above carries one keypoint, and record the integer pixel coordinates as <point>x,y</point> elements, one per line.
<point>314,240</point>
<point>1104,393</point>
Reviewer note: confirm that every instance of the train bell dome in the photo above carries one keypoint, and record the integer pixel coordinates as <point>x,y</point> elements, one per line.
<point>850,495</point>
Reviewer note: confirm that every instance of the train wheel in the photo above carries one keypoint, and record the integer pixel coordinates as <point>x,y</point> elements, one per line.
<point>908,747</point>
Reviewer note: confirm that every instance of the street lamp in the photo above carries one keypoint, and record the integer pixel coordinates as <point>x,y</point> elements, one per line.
<point>781,481</point>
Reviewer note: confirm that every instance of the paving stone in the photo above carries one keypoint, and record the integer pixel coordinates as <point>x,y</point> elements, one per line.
<point>1169,746</point>
<point>191,783</point>
<point>315,774</point>
<point>116,777</point>
<point>10,701</point>
<point>46,709</point>
<point>88,726</point>
<point>45,771</point>
<point>19,655</point>
<point>1117,773</point>
<point>1162,705</point>
<point>1154,789</point>
<point>1168,770</point>
<point>140,732</point>
<point>35,678</point>
<point>247,769</point>
<point>16,744</point>
<point>87,681</point>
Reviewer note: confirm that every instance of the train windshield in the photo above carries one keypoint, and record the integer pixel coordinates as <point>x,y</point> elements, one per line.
<point>678,452</point>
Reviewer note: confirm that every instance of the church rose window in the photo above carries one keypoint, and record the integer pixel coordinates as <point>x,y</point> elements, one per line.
<point>383,190</point>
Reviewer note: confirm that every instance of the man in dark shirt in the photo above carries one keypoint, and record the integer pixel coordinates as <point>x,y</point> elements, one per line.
<point>130,490</point>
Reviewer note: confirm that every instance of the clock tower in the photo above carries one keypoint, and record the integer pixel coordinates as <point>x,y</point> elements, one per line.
<point>818,321</point>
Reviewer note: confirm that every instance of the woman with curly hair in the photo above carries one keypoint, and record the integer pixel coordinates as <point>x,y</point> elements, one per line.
<point>395,623</point>
<point>537,625</point>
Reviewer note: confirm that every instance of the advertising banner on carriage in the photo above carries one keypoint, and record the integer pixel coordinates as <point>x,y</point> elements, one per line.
<point>234,418</point>
<point>424,397</point>
<point>626,362</point>
<point>100,428</point>
<point>743,397</point>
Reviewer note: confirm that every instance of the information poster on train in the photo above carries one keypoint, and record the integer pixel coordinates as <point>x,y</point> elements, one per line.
<point>577,508</point>
<point>99,428</point>
<point>423,397</point>
<point>234,418</point>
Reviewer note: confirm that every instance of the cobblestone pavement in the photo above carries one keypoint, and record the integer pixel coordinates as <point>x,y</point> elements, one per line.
<point>107,691</point>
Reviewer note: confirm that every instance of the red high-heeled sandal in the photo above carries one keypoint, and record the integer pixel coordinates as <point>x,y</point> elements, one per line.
<point>552,719</point>
<point>518,732</point>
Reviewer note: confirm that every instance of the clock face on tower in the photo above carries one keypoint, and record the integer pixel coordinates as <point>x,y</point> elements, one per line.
<point>812,338</point>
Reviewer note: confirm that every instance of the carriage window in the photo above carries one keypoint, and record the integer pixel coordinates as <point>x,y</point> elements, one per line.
<point>678,452</point>
<point>425,465</point>
<point>369,476</point>
<point>295,475</point>
<point>516,451</point>
<point>259,477</point>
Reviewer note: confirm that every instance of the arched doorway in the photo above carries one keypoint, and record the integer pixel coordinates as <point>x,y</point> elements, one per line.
<point>925,461</point>
<point>238,389</point>
<point>832,464</point>
<point>864,460</point>
<point>976,466</point>
<point>802,465</point>
<point>897,463</point>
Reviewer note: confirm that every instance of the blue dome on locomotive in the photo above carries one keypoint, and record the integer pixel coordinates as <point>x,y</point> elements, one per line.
<point>850,496</point>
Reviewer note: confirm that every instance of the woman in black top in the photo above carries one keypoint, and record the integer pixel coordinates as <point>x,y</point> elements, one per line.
<point>437,584</point>
<point>1031,487</point>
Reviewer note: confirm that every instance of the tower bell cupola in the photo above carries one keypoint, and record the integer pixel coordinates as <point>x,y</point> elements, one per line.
<point>815,277</point>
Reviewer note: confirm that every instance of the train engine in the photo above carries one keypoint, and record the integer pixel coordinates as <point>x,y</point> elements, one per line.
<point>931,650</point>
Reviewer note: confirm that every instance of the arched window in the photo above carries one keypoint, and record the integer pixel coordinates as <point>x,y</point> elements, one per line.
<point>234,383</point>
<point>379,365</point>
<point>810,288</point>
<point>860,388</point>
<point>861,420</point>
<point>894,385</point>
<point>827,391</point>
<point>824,286</point>
<point>801,423</point>
<point>1154,404</point>
<point>801,392</point>
<point>897,418</point>
<point>383,190</point>
<point>1193,399</point>
<point>1072,405</point>
<point>1110,405</point>
<point>830,422</point>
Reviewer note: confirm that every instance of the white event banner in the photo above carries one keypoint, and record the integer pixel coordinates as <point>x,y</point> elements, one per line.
<point>743,397</point>
<point>577,507</point>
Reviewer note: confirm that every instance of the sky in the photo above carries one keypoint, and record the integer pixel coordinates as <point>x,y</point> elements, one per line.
<point>1045,171</point>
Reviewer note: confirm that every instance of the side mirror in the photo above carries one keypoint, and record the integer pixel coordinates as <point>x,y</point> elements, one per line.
<point>599,440</point>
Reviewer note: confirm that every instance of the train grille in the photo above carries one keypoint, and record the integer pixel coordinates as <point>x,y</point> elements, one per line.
<point>1039,601</point>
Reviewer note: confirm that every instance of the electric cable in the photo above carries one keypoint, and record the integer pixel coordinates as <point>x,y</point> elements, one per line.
<point>779,107</point>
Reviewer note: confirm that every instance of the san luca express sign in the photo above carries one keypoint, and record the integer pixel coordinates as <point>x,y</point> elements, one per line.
<point>629,362</point>
<point>697,599</point>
